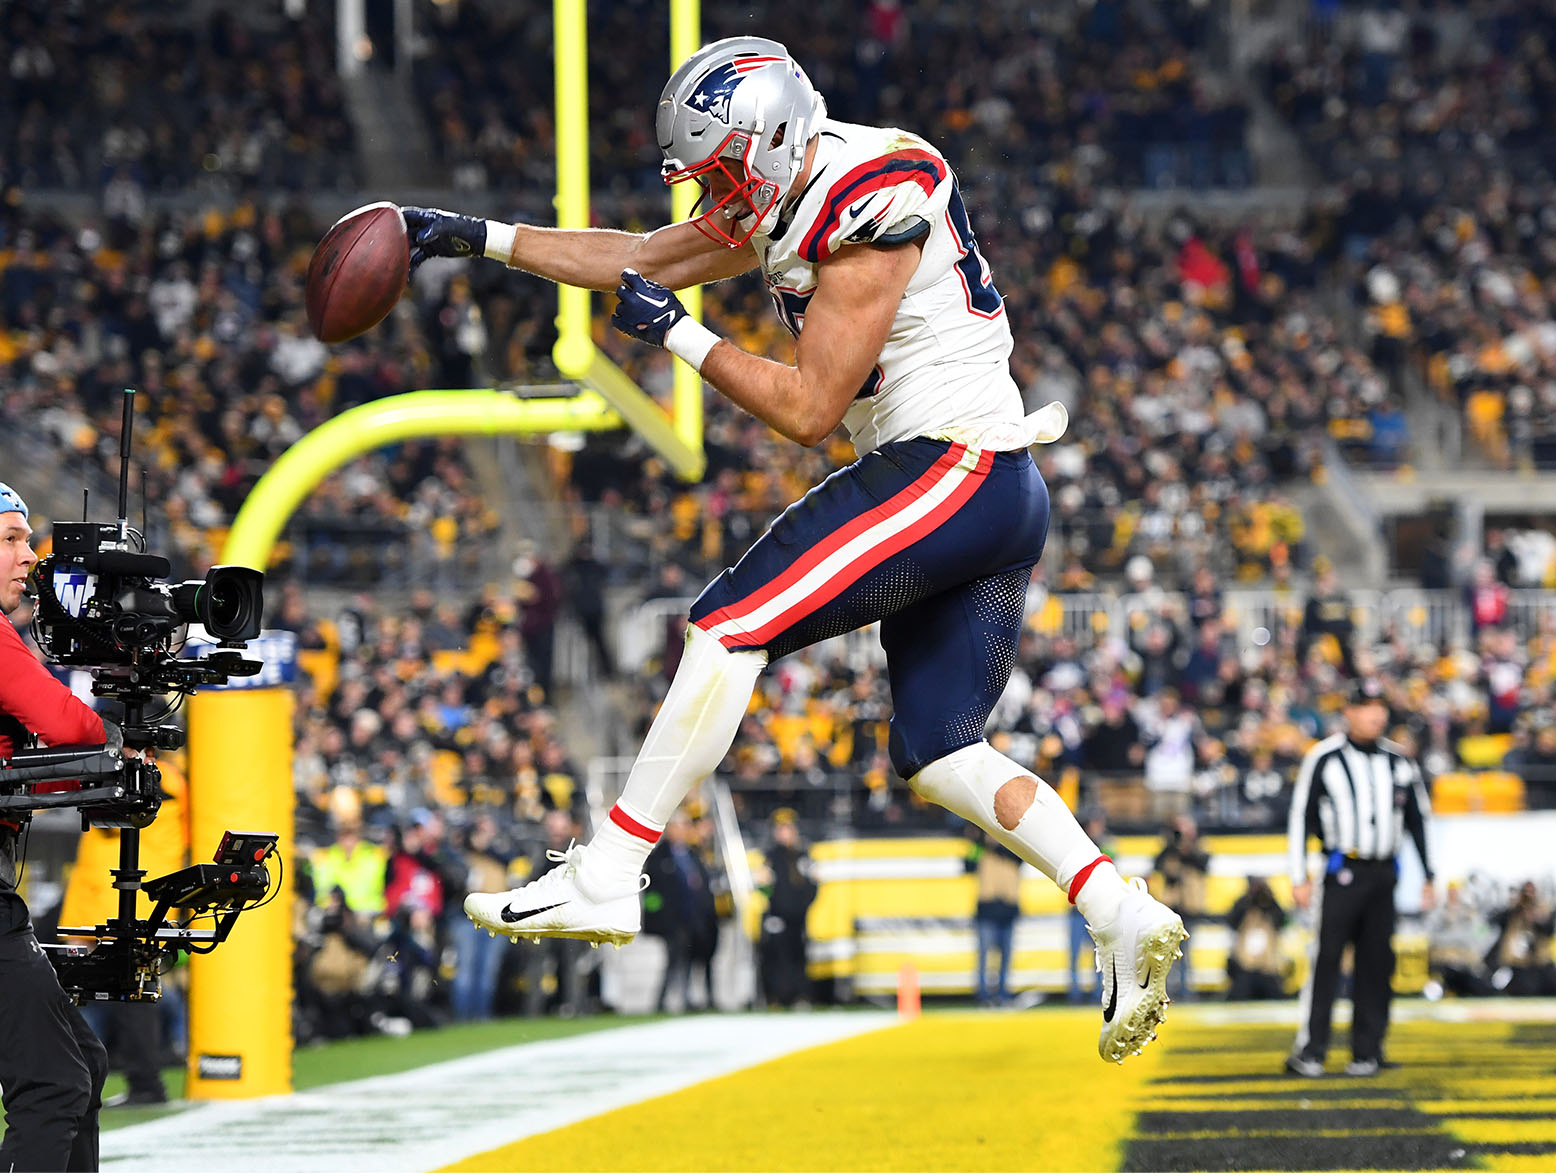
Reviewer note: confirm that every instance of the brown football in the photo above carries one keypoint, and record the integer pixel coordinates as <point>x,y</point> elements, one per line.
<point>358,272</point>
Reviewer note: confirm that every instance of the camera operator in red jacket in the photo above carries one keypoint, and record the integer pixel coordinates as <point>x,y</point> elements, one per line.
<point>51,1064</point>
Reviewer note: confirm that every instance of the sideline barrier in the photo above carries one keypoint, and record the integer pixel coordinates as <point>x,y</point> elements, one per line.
<point>882,904</point>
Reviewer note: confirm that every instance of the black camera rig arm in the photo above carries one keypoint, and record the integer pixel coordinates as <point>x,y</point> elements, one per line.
<point>122,958</point>
<point>118,791</point>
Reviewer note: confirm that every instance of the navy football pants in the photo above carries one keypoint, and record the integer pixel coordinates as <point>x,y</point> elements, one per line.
<point>937,541</point>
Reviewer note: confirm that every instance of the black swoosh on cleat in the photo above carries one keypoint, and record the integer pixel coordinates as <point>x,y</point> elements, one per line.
<point>1107,1013</point>
<point>509,915</point>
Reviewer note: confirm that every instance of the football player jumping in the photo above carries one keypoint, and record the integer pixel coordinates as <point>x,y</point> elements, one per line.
<point>902,338</point>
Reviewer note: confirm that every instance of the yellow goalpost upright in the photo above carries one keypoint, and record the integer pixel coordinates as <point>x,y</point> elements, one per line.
<point>240,760</point>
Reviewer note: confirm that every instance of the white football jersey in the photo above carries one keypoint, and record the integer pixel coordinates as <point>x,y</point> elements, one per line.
<point>945,369</point>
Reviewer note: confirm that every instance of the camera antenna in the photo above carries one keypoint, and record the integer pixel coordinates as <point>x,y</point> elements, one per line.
<point>84,495</point>
<point>124,464</point>
<point>143,484</point>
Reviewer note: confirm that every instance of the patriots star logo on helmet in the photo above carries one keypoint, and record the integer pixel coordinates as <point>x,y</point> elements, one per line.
<point>713,93</point>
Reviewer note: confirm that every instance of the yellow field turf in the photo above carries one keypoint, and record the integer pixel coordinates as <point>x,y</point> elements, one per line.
<point>1026,1091</point>
<point>981,1092</point>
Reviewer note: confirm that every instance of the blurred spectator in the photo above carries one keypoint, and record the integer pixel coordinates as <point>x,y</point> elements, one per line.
<point>479,956</point>
<point>783,951</point>
<point>1520,959</point>
<point>1327,614</point>
<point>1486,597</point>
<point>553,968</point>
<point>1170,734</point>
<point>539,591</point>
<point>1458,938</point>
<point>705,913</point>
<point>355,868</point>
<point>1254,965</point>
<point>1533,759</point>
<point>1182,869</point>
<point>998,874</point>
<point>404,972</point>
<point>583,585</point>
<point>1114,744</point>
<point>413,881</point>
<point>330,991</point>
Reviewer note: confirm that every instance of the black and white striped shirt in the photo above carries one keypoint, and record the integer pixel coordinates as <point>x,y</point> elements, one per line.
<point>1359,800</point>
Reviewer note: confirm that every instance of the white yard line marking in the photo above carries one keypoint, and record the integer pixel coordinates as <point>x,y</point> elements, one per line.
<point>429,1117</point>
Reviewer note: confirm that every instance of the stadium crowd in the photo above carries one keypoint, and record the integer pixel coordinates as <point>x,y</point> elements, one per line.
<point>1420,87</point>
<point>1431,118</point>
<point>202,314</point>
<point>129,95</point>
<point>1019,95</point>
<point>1459,282</point>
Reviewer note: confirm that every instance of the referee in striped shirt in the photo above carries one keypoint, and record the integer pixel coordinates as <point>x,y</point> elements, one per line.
<point>1359,793</point>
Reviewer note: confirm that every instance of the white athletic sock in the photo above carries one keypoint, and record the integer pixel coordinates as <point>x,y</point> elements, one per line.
<point>687,739</point>
<point>1047,836</point>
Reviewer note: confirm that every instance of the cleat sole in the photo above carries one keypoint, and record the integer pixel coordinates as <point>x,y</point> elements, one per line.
<point>1137,1023</point>
<point>597,936</point>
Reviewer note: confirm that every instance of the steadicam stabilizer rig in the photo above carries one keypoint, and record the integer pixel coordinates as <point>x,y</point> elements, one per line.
<point>103,604</point>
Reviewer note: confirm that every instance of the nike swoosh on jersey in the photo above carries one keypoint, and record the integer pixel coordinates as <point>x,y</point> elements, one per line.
<point>1107,1013</point>
<point>509,915</point>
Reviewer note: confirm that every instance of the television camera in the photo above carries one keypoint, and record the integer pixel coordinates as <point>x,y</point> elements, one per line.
<point>103,604</point>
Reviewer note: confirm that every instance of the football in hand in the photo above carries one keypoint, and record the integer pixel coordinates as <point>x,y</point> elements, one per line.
<point>358,272</point>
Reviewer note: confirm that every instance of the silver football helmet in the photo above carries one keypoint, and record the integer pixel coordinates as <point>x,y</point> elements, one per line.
<point>743,108</point>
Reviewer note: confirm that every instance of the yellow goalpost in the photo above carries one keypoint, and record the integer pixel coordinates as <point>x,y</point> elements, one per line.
<point>240,761</point>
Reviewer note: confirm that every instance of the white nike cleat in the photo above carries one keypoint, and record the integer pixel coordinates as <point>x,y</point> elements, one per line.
<point>553,905</point>
<point>1134,954</point>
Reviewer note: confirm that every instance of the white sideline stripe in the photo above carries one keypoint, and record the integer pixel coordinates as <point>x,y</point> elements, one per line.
<point>427,1118</point>
<point>856,548</point>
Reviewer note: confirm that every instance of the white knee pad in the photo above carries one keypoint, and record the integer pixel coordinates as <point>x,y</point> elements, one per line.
<point>966,780</point>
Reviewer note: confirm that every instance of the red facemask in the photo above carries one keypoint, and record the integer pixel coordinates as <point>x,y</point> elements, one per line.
<point>749,196</point>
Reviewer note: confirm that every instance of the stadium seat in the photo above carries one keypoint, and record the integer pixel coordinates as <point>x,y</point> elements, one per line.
<point>1451,793</point>
<point>1501,792</point>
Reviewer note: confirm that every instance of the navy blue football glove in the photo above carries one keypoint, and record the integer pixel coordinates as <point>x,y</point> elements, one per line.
<point>645,310</point>
<point>435,233</point>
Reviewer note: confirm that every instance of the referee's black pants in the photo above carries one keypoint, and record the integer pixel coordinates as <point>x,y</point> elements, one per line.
<point>1357,908</point>
<point>51,1064</point>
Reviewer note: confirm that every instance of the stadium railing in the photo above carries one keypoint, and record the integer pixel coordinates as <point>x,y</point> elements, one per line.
<point>1439,616</point>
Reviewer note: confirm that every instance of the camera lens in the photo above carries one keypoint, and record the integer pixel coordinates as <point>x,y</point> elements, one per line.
<point>228,602</point>
<point>223,605</point>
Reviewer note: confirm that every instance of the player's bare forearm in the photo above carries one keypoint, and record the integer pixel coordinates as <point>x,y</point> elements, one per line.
<point>858,292</point>
<point>676,256</point>
<point>774,393</point>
